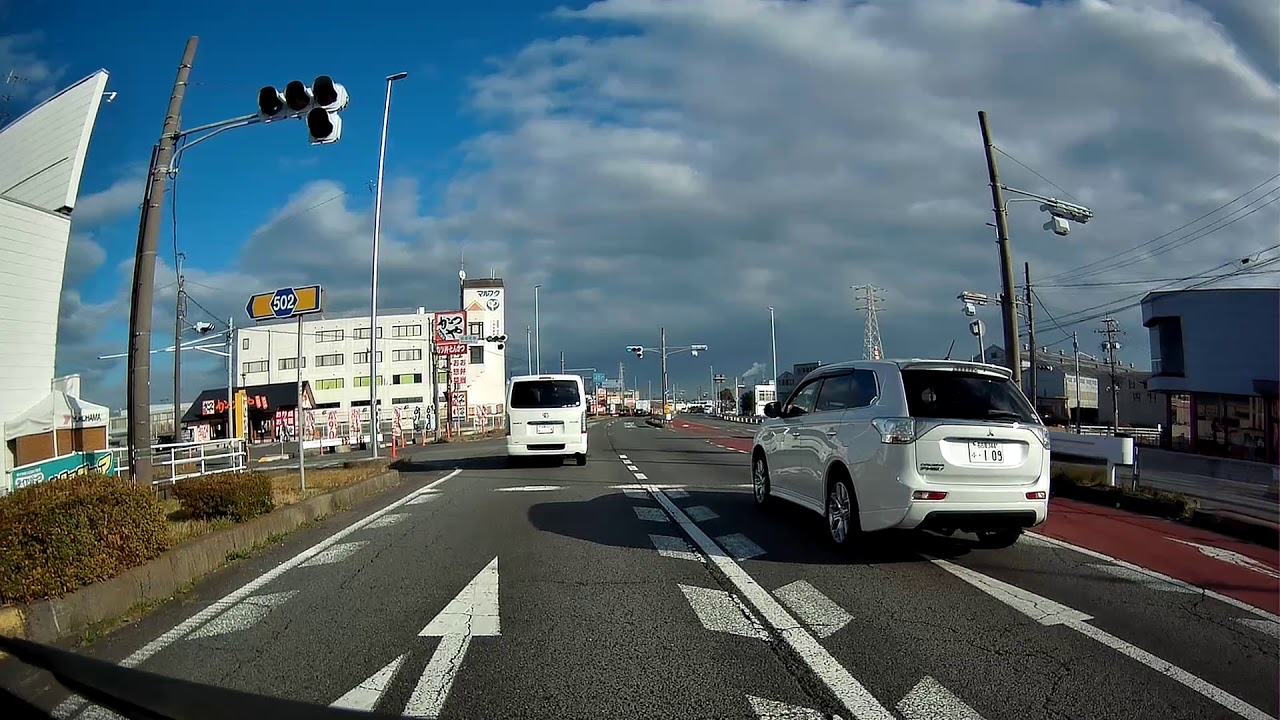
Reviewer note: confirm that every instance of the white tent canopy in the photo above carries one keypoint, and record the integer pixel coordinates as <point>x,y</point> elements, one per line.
<point>57,410</point>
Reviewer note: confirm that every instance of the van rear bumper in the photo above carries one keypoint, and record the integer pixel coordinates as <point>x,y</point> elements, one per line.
<point>559,445</point>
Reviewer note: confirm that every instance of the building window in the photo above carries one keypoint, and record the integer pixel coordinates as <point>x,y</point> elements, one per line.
<point>255,367</point>
<point>402,331</point>
<point>406,379</point>
<point>477,354</point>
<point>328,406</point>
<point>329,360</point>
<point>244,344</point>
<point>1166,341</point>
<point>362,358</point>
<point>363,381</point>
<point>475,328</point>
<point>363,334</point>
<point>291,363</point>
<point>402,355</point>
<point>331,384</point>
<point>406,400</point>
<point>329,336</point>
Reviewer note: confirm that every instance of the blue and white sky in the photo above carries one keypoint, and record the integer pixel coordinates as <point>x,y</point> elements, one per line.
<point>685,163</point>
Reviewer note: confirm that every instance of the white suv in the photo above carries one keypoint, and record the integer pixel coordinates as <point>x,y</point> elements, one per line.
<point>936,445</point>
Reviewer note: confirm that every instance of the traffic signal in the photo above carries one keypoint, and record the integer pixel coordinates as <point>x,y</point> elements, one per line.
<point>319,105</point>
<point>500,339</point>
<point>636,350</point>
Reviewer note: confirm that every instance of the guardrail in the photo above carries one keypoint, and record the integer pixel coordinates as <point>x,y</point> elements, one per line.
<point>746,419</point>
<point>1141,436</point>
<point>178,461</point>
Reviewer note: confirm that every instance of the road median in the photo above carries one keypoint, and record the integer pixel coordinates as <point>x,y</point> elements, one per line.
<point>161,578</point>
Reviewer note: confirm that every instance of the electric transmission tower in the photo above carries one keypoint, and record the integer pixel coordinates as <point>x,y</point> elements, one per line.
<point>1111,330</point>
<point>869,301</point>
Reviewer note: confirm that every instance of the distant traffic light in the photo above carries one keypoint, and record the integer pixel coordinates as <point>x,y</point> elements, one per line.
<point>500,339</point>
<point>636,350</point>
<point>318,104</point>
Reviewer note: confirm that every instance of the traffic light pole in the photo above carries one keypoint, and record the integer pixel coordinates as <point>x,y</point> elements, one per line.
<point>666,418</point>
<point>144,280</point>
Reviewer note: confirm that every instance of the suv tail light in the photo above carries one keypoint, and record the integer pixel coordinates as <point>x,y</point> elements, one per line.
<point>1042,434</point>
<point>896,430</point>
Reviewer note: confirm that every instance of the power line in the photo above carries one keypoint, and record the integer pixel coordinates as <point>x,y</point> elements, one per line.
<point>1117,283</point>
<point>1101,261</point>
<point>1033,172</point>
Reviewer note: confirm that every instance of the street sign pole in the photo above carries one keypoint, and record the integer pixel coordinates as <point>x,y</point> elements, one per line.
<point>297,414</point>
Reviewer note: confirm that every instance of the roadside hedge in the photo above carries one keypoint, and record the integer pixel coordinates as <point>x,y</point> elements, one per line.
<point>238,496</point>
<point>62,534</point>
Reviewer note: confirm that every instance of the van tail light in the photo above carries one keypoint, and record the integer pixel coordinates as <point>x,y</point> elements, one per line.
<point>507,416</point>
<point>896,430</point>
<point>584,422</point>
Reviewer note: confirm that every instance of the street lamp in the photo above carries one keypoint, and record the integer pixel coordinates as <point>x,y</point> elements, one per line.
<point>773,337</point>
<point>537,329</point>
<point>373,286</point>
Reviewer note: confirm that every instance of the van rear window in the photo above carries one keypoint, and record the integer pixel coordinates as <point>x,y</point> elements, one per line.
<point>543,394</point>
<point>958,395</point>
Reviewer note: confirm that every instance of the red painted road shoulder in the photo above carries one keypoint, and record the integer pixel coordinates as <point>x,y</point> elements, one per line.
<point>1248,573</point>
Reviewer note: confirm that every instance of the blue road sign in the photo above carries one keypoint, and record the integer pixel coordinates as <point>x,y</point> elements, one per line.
<point>597,378</point>
<point>283,302</point>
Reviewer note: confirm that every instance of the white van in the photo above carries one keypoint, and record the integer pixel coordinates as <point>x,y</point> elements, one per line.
<point>547,416</point>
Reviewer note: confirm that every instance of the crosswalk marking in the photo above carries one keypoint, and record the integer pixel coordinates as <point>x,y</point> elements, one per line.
<point>635,493</point>
<point>674,547</point>
<point>423,499</point>
<point>929,700</point>
<point>243,615</point>
<point>740,546</point>
<point>774,710</point>
<point>677,493</point>
<point>813,608</point>
<point>1141,578</point>
<point>700,513</point>
<point>652,514</point>
<point>719,611</point>
<point>386,521</point>
<point>336,553</point>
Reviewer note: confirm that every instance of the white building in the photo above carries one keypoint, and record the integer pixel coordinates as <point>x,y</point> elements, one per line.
<point>42,155</point>
<point>335,360</point>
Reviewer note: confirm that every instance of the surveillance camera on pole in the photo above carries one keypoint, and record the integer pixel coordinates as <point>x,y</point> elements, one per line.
<point>319,105</point>
<point>970,310</point>
<point>203,327</point>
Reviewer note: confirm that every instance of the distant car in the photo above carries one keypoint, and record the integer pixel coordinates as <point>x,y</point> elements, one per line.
<point>934,445</point>
<point>546,416</point>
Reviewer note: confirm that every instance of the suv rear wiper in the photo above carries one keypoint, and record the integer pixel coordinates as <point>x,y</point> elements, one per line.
<point>1004,414</point>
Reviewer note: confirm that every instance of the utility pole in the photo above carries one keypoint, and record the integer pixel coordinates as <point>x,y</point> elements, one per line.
<point>665,417</point>
<point>1111,330</point>
<point>1031,339</point>
<point>1012,347</point>
<point>872,348</point>
<point>435,385</point>
<point>179,319</point>
<point>622,380</point>
<point>528,343</point>
<point>1075,348</point>
<point>142,297</point>
<point>561,362</point>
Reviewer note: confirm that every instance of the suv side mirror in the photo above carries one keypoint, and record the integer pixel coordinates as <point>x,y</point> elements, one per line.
<point>771,410</point>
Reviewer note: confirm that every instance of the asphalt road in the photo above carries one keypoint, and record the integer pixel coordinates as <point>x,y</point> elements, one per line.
<point>647,585</point>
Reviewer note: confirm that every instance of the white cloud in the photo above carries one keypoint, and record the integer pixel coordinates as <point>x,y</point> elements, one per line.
<point>122,197</point>
<point>694,161</point>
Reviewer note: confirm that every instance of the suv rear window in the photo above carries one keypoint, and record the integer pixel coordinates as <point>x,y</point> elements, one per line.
<point>543,394</point>
<point>958,395</point>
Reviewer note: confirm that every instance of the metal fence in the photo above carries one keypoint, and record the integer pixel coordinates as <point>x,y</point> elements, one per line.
<point>175,461</point>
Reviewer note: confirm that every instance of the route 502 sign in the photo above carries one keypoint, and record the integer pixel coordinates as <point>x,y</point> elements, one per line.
<point>450,327</point>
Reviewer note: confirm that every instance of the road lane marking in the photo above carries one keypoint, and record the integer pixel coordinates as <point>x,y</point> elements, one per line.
<point>243,615</point>
<point>632,468</point>
<point>530,488</point>
<point>1143,579</point>
<point>386,521</point>
<point>424,498</point>
<point>74,702</point>
<point>740,546</point>
<point>335,554</point>
<point>674,547</point>
<point>624,457</point>
<point>847,690</point>
<point>817,611</point>
<point>774,710</point>
<point>677,493</point>
<point>701,513</point>
<point>1240,604</point>
<point>1231,557</point>
<point>718,611</point>
<point>651,514</point>
<point>472,613</point>
<point>635,493</point>
<point>929,700</point>
<point>1267,627</point>
<point>367,694</point>
<point>1048,612</point>
<point>641,476</point>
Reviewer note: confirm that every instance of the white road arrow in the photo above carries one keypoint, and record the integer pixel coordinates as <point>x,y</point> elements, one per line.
<point>473,613</point>
<point>1231,556</point>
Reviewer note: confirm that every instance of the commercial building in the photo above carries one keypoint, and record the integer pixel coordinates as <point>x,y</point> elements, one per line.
<point>42,155</point>
<point>335,362</point>
<point>1215,360</point>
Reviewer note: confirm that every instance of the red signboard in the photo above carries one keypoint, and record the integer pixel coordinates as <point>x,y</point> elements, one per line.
<point>451,348</point>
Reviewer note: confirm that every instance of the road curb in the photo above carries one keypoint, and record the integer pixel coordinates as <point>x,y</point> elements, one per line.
<point>46,621</point>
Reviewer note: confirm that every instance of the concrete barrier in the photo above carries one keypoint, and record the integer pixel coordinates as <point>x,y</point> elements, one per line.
<point>47,621</point>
